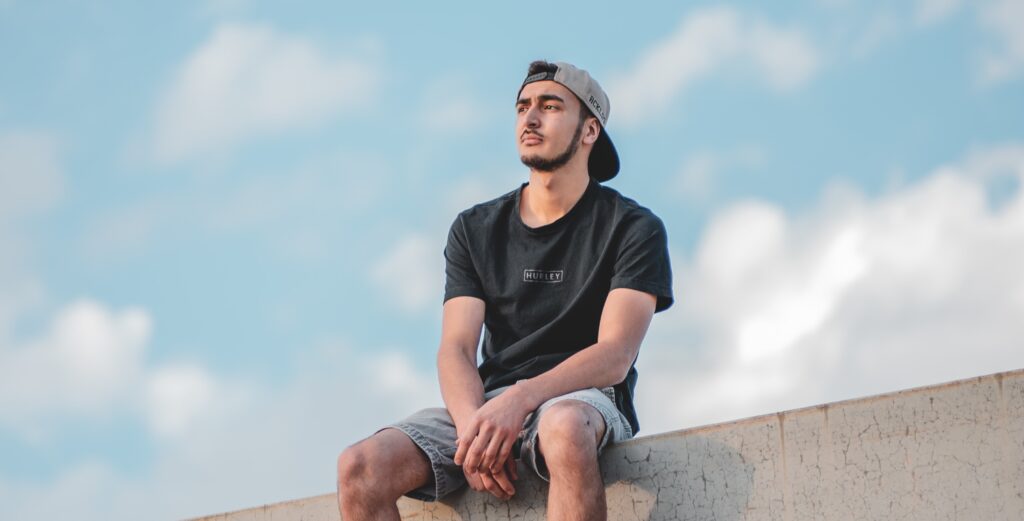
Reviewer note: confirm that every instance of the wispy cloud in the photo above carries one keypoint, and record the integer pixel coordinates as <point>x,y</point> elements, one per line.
<point>707,41</point>
<point>880,29</point>
<point>857,297</point>
<point>176,395</point>
<point>451,107</point>
<point>927,12</point>
<point>702,171</point>
<point>1004,20</point>
<point>30,174</point>
<point>248,81</point>
<point>411,272</point>
<point>292,209</point>
<point>31,183</point>
<point>998,60</point>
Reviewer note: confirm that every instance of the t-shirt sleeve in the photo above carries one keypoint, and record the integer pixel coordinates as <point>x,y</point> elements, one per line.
<point>643,263</point>
<point>461,277</point>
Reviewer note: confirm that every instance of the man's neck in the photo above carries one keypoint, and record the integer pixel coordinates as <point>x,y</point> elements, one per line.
<point>550,195</point>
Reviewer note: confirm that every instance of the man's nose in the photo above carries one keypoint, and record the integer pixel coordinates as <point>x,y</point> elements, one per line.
<point>532,119</point>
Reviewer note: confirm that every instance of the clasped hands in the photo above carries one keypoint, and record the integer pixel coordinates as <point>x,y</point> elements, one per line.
<point>485,445</point>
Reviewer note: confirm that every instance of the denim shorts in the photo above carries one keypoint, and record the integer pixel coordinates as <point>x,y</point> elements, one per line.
<point>433,431</point>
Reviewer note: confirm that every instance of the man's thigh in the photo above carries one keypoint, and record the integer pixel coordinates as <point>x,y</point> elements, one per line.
<point>432,432</point>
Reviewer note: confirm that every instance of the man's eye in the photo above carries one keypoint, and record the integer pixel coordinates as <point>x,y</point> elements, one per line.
<point>550,107</point>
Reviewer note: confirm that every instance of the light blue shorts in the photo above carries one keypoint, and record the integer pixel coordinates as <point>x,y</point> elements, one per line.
<point>433,431</point>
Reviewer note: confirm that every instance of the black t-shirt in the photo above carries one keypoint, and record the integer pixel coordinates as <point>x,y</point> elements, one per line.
<point>545,287</point>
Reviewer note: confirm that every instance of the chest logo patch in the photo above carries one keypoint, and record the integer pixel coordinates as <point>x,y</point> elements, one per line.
<point>549,276</point>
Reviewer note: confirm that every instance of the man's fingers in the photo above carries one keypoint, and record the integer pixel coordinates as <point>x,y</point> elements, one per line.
<point>512,469</point>
<point>492,486</point>
<point>502,480</point>
<point>474,481</point>
<point>463,442</point>
<point>491,458</point>
<point>474,453</point>
<point>460,450</point>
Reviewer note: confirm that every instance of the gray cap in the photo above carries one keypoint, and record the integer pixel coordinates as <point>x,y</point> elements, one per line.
<point>604,160</point>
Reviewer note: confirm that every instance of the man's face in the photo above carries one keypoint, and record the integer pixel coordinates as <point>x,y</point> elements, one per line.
<point>548,125</point>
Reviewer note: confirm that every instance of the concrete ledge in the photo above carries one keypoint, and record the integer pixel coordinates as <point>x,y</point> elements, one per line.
<point>953,451</point>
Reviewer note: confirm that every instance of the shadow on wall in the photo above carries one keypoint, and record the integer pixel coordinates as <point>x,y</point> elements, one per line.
<point>693,477</point>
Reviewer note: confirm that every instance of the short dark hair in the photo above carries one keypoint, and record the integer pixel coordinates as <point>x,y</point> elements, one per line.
<point>541,66</point>
<point>537,66</point>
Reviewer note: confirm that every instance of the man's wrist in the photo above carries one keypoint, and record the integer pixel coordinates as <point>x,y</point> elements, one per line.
<point>527,393</point>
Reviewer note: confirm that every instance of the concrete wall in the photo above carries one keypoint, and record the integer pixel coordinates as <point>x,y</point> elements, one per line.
<point>946,452</point>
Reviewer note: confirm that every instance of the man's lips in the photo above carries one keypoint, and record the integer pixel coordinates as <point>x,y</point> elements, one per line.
<point>531,139</point>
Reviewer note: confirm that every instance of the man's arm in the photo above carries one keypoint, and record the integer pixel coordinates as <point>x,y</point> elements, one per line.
<point>461,387</point>
<point>624,321</point>
<point>625,318</point>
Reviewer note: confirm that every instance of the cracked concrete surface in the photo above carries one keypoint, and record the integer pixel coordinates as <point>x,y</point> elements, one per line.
<point>953,451</point>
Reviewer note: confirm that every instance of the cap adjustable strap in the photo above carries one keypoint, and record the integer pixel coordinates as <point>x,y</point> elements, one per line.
<point>540,76</point>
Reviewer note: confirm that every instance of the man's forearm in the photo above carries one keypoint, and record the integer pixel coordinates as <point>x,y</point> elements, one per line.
<point>599,365</point>
<point>624,321</point>
<point>461,387</point>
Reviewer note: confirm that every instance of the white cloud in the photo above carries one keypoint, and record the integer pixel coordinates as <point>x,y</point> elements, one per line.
<point>859,296</point>
<point>272,442</point>
<point>706,41</point>
<point>88,362</point>
<point>249,81</point>
<point>91,365</point>
<point>411,272</point>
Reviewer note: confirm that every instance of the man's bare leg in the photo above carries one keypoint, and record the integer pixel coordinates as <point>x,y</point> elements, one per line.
<point>375,472</point>
<point>569,433</point>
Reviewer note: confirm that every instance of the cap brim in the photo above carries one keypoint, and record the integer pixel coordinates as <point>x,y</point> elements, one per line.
<point>604,160</point>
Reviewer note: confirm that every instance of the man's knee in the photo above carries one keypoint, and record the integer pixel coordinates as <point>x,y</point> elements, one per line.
<point>569,432</point>
<point>361,470</point>
<point>355,466</point>
<point>381,468</point>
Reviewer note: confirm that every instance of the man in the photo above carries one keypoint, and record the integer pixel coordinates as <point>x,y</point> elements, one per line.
<point>566,275</point>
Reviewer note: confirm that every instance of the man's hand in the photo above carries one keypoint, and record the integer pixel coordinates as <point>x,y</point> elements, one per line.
<point>497,483</point>
<point>486,440</point>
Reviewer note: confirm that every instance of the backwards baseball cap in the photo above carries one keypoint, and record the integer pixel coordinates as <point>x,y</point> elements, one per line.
<point>604,160</point>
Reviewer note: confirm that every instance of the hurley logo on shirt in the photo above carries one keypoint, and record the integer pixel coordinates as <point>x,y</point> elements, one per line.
<point>542,275</point>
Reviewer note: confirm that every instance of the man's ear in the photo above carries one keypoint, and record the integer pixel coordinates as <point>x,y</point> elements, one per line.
<point>591,131</point>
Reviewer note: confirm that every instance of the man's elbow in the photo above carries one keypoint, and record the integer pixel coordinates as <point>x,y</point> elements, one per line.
<point>448,352</point>
<point>622,363</point>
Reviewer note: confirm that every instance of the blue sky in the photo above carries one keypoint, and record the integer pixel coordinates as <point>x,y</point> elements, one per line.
<point>221,222</point>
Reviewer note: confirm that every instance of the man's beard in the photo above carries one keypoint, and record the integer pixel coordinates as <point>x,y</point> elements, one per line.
<point>535,162</point>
